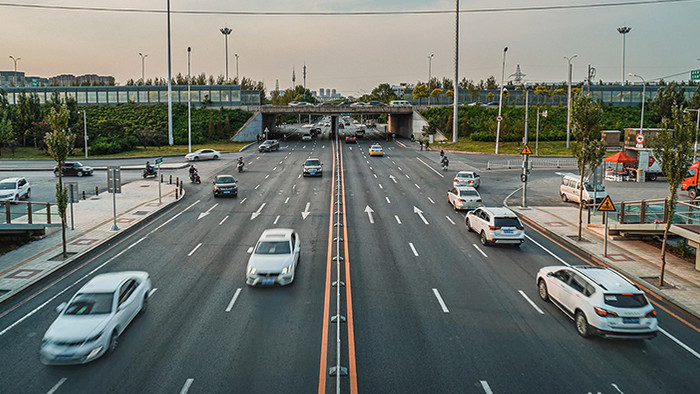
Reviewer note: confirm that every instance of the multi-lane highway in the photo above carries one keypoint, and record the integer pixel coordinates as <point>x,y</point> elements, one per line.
<point>427,308</point>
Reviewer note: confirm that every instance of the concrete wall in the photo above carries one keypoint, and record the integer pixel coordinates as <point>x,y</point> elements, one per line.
<point>400,124</point>
<point>250,129</point>
<point>418,122</point>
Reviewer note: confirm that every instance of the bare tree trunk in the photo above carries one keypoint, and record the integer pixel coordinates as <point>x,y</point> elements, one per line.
<point>580,195</point>
<point>63,215</point>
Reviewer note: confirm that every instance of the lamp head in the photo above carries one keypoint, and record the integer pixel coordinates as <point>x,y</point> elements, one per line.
<point>189,49</point>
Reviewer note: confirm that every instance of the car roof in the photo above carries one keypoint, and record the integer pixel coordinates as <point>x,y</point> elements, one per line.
<point>466,188</point>
<point>276,234</point>
<point>224,175</point>
<point>499,211</point>
<point>107,283</point>
<point>466,172</point>
<point>15,179</point>
<point>608,279</point>
<point>312,158</point>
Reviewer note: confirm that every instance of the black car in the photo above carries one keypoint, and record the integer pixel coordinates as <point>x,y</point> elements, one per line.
<point>225,185</point>
<point>376,103</point>
<point>269,146</point>
<point>74,168</point>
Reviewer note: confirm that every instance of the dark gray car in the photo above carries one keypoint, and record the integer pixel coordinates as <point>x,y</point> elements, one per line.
<point>225,185</point>
<point>269,146</point>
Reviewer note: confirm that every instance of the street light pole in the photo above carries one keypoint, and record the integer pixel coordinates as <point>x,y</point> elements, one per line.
<point>170,87</point>
<point>226,31</point>
<point>568,104</point>
<point>500,99</point>
<point>430,69</point>
<point>85,137</point>
<point>697,126</point>
<point>237,80</point>
<point>189,104</point>
<point>143,58</point>
<point>644,88</point>
<point>455,114</point>
<point>15,75</point>
<point>623,30</point>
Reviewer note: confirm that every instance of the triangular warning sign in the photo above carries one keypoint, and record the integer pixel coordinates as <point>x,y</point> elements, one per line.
<point>526,150</point>
<point>607,205</point>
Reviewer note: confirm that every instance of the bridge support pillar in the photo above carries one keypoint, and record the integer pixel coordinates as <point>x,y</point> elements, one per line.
<point>268,122</point>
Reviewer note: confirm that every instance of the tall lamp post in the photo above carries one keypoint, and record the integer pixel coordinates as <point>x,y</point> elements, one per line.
<point>237,80</point>
<point>644,89</point>
<point>623,30</point>
<point>568,104</point>
<point>85,137</point>
<point>170,87</point>
<point>143,60</point>
<point>500,99</point>
<point>697,126</point>
<point>455,114</point>
<point>226,31</point>
<point>189,104</point>
<point>430,70</point>
<point>15,60</point>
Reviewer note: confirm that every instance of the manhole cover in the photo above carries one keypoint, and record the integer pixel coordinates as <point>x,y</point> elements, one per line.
<point>141,213</point>
<point>59,257</point>
<point>654,281</point>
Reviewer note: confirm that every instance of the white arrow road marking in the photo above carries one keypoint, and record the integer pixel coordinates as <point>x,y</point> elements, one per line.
<point>393,178</point>
<point>56,386</point>
<point>413,248</point>
<point>434,170</point>
<point>369,214</point>
<point>243,200</point>
<point>450,220</point>
<point>306,211</point>
<point>420,213</point>
<point>397,219</point>
<point>522,293</point>
<point>480,251</point>
<point>187,385</point>
<point>194,250</point>
<point>203,214</point>
<point>233,300</point>
<point>431,200</point>
<point>486,387</point>
<point>442,303</point>
<point>257,213</point>
<point>223,220</point>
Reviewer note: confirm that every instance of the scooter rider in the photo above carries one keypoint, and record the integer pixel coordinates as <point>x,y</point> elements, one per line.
<point>149,168</point>
<point>240,164</point>
<point>445,162</point>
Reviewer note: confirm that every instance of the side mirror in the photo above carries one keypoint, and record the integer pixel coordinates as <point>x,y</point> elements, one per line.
<point>61,307</point>
<point>549,274</point>
<point>213,182</point>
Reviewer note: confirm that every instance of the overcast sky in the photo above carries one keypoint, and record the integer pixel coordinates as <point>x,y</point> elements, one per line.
<point>352,53</point>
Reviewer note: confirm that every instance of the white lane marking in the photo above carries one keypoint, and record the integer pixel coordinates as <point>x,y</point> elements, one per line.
<point>431,200</point>
<point>450,220</point>
<point>505,200</point>
<point>407,176</point>
<point>393,178</point>
<point>397,219</point>
<point>280,163</point>
<point>287,200</point>
<point>370,211</point>
<point>256,187</point>
<point>413,248</point>
<point>56,386</point>
<point>276,219</point>
<point>417,185</point>
<point>275,169</point>
<point>258,212</point>
<point>548,251</point>
<point>266,176</point>
<point>306,211</point>
<point>257,158</point>
<point>387,200</point>
<point>522,293</point>
<point>153,290</point>
<point>434,170</point>
<point>233,300</point>
<point>223,220</point>
<point>393,162</point>
<point>442,303</point>
<point>399,168</point>
<point>681,344</point>
<point>194,250</point>
<point>243,200</point>
<point>380,186</point>
<point>367,161</point>
<point>616,388</point>
<point>187,385</point>
<point>420,213</point>
<point>486,387</point>
<point>250,250</point>
<point>480,251</point>
<point>298,176</point>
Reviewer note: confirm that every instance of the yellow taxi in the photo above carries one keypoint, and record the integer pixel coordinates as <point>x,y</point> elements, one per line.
<point>376,150</point>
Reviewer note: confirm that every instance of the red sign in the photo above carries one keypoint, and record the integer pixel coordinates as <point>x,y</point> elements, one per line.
<point>651,160</point>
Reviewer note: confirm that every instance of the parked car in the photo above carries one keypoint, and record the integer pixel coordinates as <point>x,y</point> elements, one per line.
<point>274,259</point>
<point>225,185</point>
<point>14,189</point>
<point>464,197</point>
<point>269,146</point>
<point>569,190</point>
<point>495,225</point>
<point>74,168</point>
<point>89,325</point>
<point>203,154</point>
<point>467,178</point>
<point>601,301</point>
<point>312,167</point>
<point>400,102</point>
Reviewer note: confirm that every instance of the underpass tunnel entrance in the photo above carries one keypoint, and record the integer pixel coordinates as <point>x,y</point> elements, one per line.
<point>334,125</point>
<point>401,124</point>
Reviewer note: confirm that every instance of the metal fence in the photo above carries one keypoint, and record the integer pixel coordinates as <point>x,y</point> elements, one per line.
<point>533,163</point>
<point>27,212</point>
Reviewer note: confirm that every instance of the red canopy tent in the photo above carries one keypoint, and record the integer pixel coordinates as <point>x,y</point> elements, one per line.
<point>619,157</point>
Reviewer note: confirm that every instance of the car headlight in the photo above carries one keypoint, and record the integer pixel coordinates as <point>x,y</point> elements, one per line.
<point>94,352</point>
<point>252,271</point>
<point>285,270</point>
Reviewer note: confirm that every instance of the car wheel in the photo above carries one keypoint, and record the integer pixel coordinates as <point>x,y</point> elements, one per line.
<point>582,325</point>
<point>692,193</point>
<point>216,195</point>
<point>563,198</point>
<point>484,241</point>
<point>80,173</point>
<point>113,341</point>
<point>29,193</point>
<point>542,290</point>
<point>144,305</point>
<point>15,198</point>
<point>469,227</point>
<point>216,157</point>
<point>652,177</point>
<point>55,173</point>
<point>196,158</point>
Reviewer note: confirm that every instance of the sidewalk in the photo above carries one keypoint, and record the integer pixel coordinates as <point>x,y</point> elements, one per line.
<point>637,260</point>
<point>93,221</point>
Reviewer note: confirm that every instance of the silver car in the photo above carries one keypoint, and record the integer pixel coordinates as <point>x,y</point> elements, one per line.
<point>203,154</point>
<point>274,259</point>
<point>464,198</point>
<point>89,325</point>
<point>13,189</point>
<point>467,178</point>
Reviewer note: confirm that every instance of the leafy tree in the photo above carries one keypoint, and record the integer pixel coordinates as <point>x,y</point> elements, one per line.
<point>420,91</point>
<point>436,92</point>
<point>673,147</point>
<point>491,83</point>
<point>7,134</point>
<point>588,148</point>
<point>695,100</point>
<point>662,105</point>
<point>59,145</point>
<point>28,112</point>
<point>384,93</point>
<point>447,84</point>
<point>473,91</point>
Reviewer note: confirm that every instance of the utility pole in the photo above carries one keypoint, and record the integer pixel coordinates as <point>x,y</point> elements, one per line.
<point>623,30</point>
<point>455,113</point>
<point>189,104</point>
<point>85,137</point>
<point>15,75</point>
<point>500,99</point>
<point>430,69</point>
<point>237,80</point>
<point>143,59</point>
<point>568,104</point>
<point>170,86</point>
<point>526,157</point>
<point>226,31</point>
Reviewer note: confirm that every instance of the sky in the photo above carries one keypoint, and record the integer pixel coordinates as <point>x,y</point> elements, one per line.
<point>352,53</point>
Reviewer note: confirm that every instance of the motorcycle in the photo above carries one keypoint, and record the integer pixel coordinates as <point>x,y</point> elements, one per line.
<point>444,166</point>
<point>240,167</point>
<point>150,172</point>
<point>194,177</point>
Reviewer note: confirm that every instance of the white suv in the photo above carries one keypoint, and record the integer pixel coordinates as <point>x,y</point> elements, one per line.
<point>12,189</point>
<point>601,301</point>
<point>495,225</point>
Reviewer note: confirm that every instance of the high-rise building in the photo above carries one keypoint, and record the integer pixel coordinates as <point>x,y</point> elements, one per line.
<point>322,92</point>
<point>332,92</point>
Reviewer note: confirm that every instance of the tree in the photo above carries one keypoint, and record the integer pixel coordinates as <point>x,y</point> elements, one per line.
<point>673,147</point>
<point>7,134</point>
<point>662,105</point>
<point>491,83</point>
<point>420,91</point>
<point>28,112</point>
<point>384,93</point>
<point>436,92</point>
<point>588,149</point>
<point>59,145</point>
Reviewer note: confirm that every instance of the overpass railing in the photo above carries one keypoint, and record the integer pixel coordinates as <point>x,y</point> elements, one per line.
<point>534,163</point>
<point>651,212</point>
<point>27,212</point>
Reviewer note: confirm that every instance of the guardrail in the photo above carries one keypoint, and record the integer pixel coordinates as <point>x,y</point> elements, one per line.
<point>32,213</point>
<point>533,162</point>
<point>653,211</point>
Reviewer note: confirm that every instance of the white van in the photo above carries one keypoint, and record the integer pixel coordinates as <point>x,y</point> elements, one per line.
<point>399,102</point>
<point>569,190</point>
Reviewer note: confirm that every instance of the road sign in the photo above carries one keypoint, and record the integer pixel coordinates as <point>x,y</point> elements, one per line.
<point>526,150</point>
<point>114,180</point>
<point>159,160</point>
<point>499,118</point>
<point>607,205</point>
<point>640,138</point>
<point>72,187</point>
<point>695,75</point>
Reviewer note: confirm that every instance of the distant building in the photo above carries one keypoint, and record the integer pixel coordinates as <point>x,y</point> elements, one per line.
<point>322,92</point>
<point>10,78</point>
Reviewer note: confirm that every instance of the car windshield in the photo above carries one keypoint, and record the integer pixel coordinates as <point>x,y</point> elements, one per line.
<point>599,188</point>
<point>225,179</point>
<point>77,164</point>
<point>468,176</point>
<point>312,163</point>
<point>8,185</point>
<point>273,247</point>
<point>468,193</point>
<point>625,300</point>
<point>90,304</point>
<point>507,222</point>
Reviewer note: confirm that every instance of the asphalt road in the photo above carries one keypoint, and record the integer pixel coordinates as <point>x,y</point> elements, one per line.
<point>428,308</point>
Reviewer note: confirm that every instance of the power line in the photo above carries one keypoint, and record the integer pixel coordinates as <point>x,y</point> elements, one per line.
<point>341,13</point>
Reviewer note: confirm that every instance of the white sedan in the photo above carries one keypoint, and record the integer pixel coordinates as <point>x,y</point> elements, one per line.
<point>467,178</point>
<point>274,259</point>
<point>90,324</point>
<point>464,198</point>
<point>203,154</point>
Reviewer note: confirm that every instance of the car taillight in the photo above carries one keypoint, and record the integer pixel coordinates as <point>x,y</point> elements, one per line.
<point>604,313</point>
<point>478,200</point>
<point>520,228</point>
<point>460,200</point>
<point>651,314</point>
<point>456,180</point>
<point>494,227</point>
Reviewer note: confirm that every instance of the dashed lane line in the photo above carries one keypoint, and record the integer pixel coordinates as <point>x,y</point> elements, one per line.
<point>442,303</point>
<point>233,300</point>
<point>450,220</point>
<point>194,250</point>
<point>223,220</point>
<point>56,386</point>
<point>187,385</point>
<point>413,248</point>
<point>397,219</point>
<point>480,251</point>
<point>486,387</point>
<point>522,293</point>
